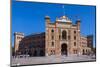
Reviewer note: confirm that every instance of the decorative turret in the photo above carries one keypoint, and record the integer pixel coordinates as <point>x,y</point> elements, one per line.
<point>78,24</point>
<point>47,19</point>
<point>17,38</point>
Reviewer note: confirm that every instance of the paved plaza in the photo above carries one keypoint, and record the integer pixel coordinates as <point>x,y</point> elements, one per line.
<point>50,59</point>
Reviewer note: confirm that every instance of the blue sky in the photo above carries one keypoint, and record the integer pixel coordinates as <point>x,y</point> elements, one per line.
<point>28,17</point>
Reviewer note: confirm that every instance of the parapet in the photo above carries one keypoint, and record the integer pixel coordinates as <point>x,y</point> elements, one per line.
<point>19,33</point>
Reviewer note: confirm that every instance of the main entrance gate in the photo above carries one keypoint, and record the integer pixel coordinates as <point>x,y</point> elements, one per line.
<point>64,49</point>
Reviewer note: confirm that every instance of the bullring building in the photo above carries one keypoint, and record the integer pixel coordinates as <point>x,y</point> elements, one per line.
<point>61,37</point>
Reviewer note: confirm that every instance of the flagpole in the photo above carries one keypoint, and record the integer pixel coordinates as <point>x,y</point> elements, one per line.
<point>63,9</point>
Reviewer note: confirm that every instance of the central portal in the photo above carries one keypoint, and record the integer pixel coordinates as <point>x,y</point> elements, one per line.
<point>64,49</point>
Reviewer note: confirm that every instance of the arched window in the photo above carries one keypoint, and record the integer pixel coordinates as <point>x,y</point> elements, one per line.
<point>52,44</point>
<point>52,37</point>
<point>74,37</point>
<point>64,34</point>
<point>74,43</point>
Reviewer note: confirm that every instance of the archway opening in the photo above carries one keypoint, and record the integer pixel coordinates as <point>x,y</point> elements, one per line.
<point>35,53</point>
<point>64,49</point>
<point>83,52</point>
<point>42,53</point>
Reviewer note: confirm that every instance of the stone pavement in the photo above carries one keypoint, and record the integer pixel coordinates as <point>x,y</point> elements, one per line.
<point>50,59</point>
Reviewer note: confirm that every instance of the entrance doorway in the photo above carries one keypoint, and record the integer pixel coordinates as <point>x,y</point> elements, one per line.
<point>64,49</point>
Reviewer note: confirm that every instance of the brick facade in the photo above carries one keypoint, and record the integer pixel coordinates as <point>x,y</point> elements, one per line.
<point>60,38</point>
<point>64,33</point>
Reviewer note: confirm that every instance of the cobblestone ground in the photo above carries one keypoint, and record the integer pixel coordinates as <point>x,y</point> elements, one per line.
<point>50,59</point>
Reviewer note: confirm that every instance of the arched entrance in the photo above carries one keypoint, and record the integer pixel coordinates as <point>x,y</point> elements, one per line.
<point>83,52</point>
<point>35,53</point>
<point>42,53</point>
<point>64,49</point>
